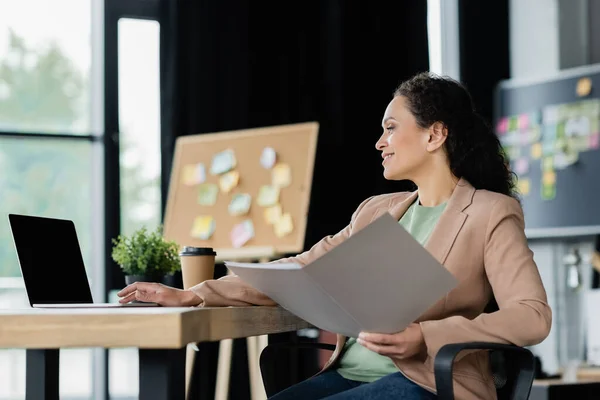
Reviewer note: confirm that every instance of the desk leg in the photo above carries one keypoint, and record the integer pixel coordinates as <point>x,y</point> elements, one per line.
<point>162,374</point>
<point>41,377</point>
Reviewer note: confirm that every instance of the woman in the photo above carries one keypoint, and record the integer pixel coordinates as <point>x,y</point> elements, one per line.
<point>465,213</point>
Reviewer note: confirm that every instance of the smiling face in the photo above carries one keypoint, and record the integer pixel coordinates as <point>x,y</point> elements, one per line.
<point>406,147</point>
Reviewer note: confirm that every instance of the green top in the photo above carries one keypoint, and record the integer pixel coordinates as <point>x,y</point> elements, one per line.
<point>359,363</point>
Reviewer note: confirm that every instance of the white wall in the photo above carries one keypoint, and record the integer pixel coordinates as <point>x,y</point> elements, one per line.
<point>534,38</point>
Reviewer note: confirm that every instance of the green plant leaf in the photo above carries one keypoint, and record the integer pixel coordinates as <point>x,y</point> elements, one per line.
<point>146,253</point>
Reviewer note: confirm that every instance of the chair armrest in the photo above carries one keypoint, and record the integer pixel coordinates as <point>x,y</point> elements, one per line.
<point>522,367</point>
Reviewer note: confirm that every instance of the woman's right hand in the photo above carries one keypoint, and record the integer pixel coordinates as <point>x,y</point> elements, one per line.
<point>158,293</point>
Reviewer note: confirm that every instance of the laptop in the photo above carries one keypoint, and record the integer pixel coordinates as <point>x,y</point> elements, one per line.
<point>52,265</point>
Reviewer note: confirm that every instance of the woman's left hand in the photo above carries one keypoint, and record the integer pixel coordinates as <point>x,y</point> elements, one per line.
<point>401,345</point>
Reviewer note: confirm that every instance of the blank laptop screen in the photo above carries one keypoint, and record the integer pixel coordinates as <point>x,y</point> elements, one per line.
<point>50,259</point>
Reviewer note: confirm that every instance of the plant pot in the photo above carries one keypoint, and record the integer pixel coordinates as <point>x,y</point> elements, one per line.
<point>129,279</point>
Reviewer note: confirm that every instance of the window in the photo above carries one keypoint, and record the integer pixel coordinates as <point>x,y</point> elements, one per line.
<point>49,155</point>
<point>139,123</point>
<point>48,178</point>
<point>139,158</point>
<point>45,62</point>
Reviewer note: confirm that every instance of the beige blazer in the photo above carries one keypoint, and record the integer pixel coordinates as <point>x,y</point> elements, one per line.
<point>480,239</point>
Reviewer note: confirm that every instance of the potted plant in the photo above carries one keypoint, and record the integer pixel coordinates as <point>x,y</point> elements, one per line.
<point>146,256</point>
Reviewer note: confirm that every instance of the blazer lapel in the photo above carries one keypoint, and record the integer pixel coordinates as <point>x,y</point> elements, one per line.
<point>451,221</point>
<point>397,206</point>
<point>442,238</point>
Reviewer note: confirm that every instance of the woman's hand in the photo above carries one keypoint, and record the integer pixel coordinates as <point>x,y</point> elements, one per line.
<point>401,345</point>
<point>158,293</point>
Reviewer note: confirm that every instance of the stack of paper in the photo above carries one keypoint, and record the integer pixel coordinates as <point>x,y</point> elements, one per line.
<point>378,280</point>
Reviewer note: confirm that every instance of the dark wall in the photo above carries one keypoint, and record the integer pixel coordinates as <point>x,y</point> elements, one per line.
<point>484,49</point>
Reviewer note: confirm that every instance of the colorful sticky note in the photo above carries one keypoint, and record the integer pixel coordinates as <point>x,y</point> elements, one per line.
<point>524,186</point>
<point>536,151</point>
<point>281,176</point>
<point>584,87</point>
<point>547,163</point>
<point>268,196</point>
<point>284,226</point>
<point>513,123</point>
<point>550,115</point>
<point>268,157</point>
<point>522,166</point>
<point>240,204</point>
<point>502,125</point>
<point>548,192</point>
<point>228,181</point>
<point>204,227</point>
<point>189,175</point>
<point>523,121</point>
<point>273,214</point>
<point>549,178</point>
<point>512,152</point>
<point>207,194</point>
<point>242,233</point>
<point>223,162</point>
<point>193,174</point>
<point>594,141</point>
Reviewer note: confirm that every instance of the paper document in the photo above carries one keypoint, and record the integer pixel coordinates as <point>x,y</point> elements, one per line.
<point>378,280</point>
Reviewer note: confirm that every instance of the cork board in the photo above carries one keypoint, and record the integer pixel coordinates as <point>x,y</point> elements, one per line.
<point>294,146</point>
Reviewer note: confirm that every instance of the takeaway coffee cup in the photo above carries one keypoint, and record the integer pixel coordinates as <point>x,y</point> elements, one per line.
<point>197,265</point>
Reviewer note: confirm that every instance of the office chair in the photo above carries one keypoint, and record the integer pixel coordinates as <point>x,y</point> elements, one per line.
<point>513,367</point>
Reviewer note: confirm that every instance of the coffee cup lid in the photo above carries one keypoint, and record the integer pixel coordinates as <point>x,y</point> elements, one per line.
<point>197,251</point>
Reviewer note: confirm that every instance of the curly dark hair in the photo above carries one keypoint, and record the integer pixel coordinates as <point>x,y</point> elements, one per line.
<point>473,149</point>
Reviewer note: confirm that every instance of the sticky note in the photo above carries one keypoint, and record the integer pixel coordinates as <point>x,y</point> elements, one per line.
<point>273,214</point>
<point>547,163</point>
<point>240,204</point>
<point>223,162</point>
<point>550,115</point>
<point>193,174</point>
<point>536,151</point>
<point>189,175</point>
<point>228,181</point>
<point>268,157</point>
<point>242,233</point>
<point>549,178</point>
<point>524,186</point>
<point>502,126</point>
<point>284,226</point>
<point>513,152</point>
<point>207,194</point>
<point>513,123</point>
<point>523,121</point>
<point>594,141</point>
<point>204,227</point>
<point>281,176</point>
<point>522,166</point>
<point>584,87</point>
<point>548,192</point>
<point>268,196</point>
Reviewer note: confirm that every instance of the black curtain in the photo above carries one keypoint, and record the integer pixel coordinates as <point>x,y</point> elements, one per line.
<point>484,50</point>
<point>243,64</point>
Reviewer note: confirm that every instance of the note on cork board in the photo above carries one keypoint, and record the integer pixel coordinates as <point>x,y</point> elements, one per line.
<point>245,193</point>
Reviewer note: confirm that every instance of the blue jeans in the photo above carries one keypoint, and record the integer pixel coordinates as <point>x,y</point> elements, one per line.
<point>332,386</point>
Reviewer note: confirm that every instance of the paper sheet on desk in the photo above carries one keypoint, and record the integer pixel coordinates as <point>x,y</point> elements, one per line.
<point>378,280</point>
